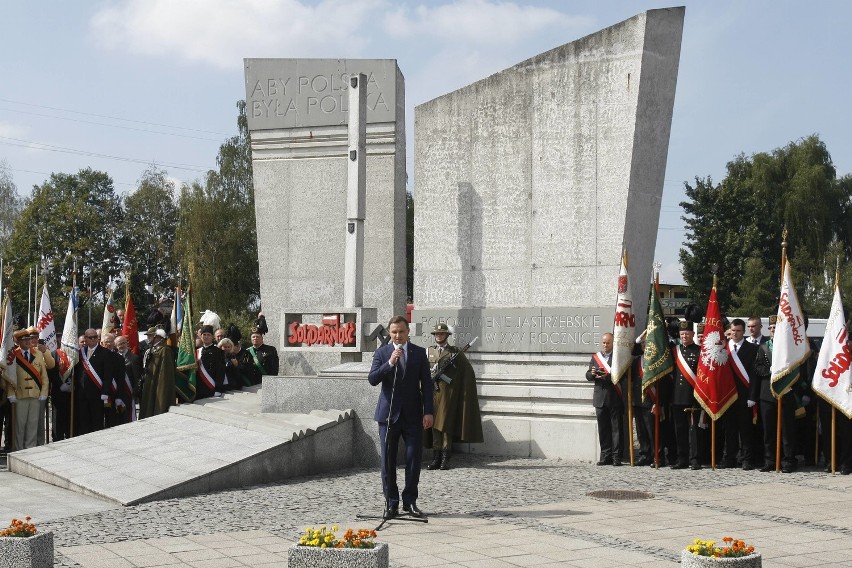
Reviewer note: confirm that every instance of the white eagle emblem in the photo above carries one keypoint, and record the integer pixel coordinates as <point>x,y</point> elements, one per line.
<point>713,352</point>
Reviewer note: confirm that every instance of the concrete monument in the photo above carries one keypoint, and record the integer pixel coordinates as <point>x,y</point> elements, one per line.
<point>298,120</point>
<point>537,176</point>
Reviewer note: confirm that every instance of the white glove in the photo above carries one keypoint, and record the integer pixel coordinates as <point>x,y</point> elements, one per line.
<point>65,387</point>
<point>119,402</point>
<point>104,397</point>
<point>703,425</point>
<point>42,398</point>
<point>217,394</point>
<point>805,400</point>
<point>12,399</point>
<point>750,403</point>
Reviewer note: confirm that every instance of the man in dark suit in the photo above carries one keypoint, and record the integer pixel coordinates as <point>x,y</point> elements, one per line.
<point>93,376</point>
<point>755,333</point>
<point>685,412</point>
<point>609,408</point>
<point>404,409</point>
<point>738,422</point>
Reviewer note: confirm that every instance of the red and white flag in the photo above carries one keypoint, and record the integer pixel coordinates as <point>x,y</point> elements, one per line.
<point>833,377</point>
<point>624,326</point>
<point>46,325</point>
<point>7,344</point>
<point>69,352</point>
<point>714,387</point>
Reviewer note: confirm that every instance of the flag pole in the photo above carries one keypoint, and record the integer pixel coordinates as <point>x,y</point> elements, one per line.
<point>657,402</point>
<point>778,419</point>
<point>74,339</point>
<point>715,269</point>
<point>8,270</point>
<point>629,391</point>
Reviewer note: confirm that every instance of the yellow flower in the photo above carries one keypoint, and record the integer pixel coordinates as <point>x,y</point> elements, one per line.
<point>334,528</point>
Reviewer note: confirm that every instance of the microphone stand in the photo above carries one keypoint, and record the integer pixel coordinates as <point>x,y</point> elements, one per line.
<point>399,516</point>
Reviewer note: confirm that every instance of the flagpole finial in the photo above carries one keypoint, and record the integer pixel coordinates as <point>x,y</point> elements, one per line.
<point>715,269</point>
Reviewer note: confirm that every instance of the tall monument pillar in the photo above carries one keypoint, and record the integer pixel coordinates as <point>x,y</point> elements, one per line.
<point>537,176</point>
<point>298,120</point>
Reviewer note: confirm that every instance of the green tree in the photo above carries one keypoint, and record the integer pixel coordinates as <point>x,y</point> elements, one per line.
<point>217,236</point>
<point>730,222</point>
<point>148,238</point>
<point>10,206</point>
<point>69,218</point>
<point>756,291</point>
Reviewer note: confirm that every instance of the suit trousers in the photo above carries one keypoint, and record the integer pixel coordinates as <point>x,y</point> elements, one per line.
<point>769,412</point>
<point>610,425</point>
<point>28,413</point>
<point>686,434</point>
<point>644,431</point>
<point>739,434</point>
<point>412,436</point>
<point>89,415</point>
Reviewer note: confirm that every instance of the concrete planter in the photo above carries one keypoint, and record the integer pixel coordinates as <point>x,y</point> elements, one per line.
<point>313,557</point>
<point>27,552</point>
<point>690,560</point>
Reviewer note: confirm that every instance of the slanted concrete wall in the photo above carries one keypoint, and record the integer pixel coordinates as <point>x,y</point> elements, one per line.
<point>536,177</point>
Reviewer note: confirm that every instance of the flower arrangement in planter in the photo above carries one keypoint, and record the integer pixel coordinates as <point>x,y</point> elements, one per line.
<point>320,548</point>
<point>324,538</point>
<point>21,545</point>
<point>734,552</point>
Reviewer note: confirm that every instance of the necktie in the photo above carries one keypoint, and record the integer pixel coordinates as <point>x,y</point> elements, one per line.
<point>29,357</point>
<point>736,348</point>
<point>402,359</point>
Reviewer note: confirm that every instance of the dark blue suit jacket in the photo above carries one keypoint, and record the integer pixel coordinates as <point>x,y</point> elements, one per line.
<point>413,396</point>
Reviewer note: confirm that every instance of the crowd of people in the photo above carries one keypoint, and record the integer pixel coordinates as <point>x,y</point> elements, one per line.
<point>746,434</point>
<point>110,384</point>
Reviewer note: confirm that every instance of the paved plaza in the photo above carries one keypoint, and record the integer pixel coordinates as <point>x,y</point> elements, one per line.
<point>485,512</point>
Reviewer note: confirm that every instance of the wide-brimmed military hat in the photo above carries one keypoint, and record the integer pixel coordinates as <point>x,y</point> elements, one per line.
<point>441,328</point>
<point>151,331</point>
<point>25,333</point>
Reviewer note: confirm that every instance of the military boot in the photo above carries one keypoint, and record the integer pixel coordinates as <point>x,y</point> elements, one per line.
<point>436,460</point>
<point>445,458</point>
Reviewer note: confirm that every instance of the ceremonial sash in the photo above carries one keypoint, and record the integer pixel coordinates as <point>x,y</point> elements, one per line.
<point>90,371</point>
<point>64,363</point>
<point>257,362</point>
<point>737,366</point>
<point>28,367</point>
<point>205,374</point>
<point>601,361</point>
<point>684,367</point>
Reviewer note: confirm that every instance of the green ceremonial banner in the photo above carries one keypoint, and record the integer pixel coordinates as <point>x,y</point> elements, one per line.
<point>187,364</point>
<point>657,361</point>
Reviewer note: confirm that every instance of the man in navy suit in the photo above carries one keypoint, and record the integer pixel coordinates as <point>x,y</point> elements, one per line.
<point>404,409</point>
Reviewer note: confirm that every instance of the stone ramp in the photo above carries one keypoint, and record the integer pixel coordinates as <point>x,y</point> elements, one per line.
<point>210,445</point>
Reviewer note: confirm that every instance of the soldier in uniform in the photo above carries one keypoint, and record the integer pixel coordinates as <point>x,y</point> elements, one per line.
<point>31,392</point>
<point>210,378</point>
<point>609,408</point>
<point>685,410</point>
<point>158,388</point>
<point>457,417</point>
<point>265,357</point>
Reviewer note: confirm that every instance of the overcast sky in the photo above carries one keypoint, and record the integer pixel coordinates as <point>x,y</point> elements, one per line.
<point>118,85</point>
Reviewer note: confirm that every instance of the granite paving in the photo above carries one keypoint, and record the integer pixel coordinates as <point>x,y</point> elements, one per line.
<point>486,511</point>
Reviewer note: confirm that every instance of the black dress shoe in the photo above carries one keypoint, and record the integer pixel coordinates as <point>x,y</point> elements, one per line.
<point>604,462</point>
<point>616,463</point>
<point>390,513</point>
<point>695,466</point>
<point>747,466</point>
<point>679,466</point>
<point>412,510</point>
<point>437,458</point>
<point>643,461</point>
<point>845,470</point>
<point>766,468</point>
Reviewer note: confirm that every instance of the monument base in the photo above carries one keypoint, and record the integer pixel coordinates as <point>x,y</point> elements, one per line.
<point>532,405</point>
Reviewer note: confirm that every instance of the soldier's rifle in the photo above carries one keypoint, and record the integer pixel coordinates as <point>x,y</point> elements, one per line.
<point>438,370</point>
